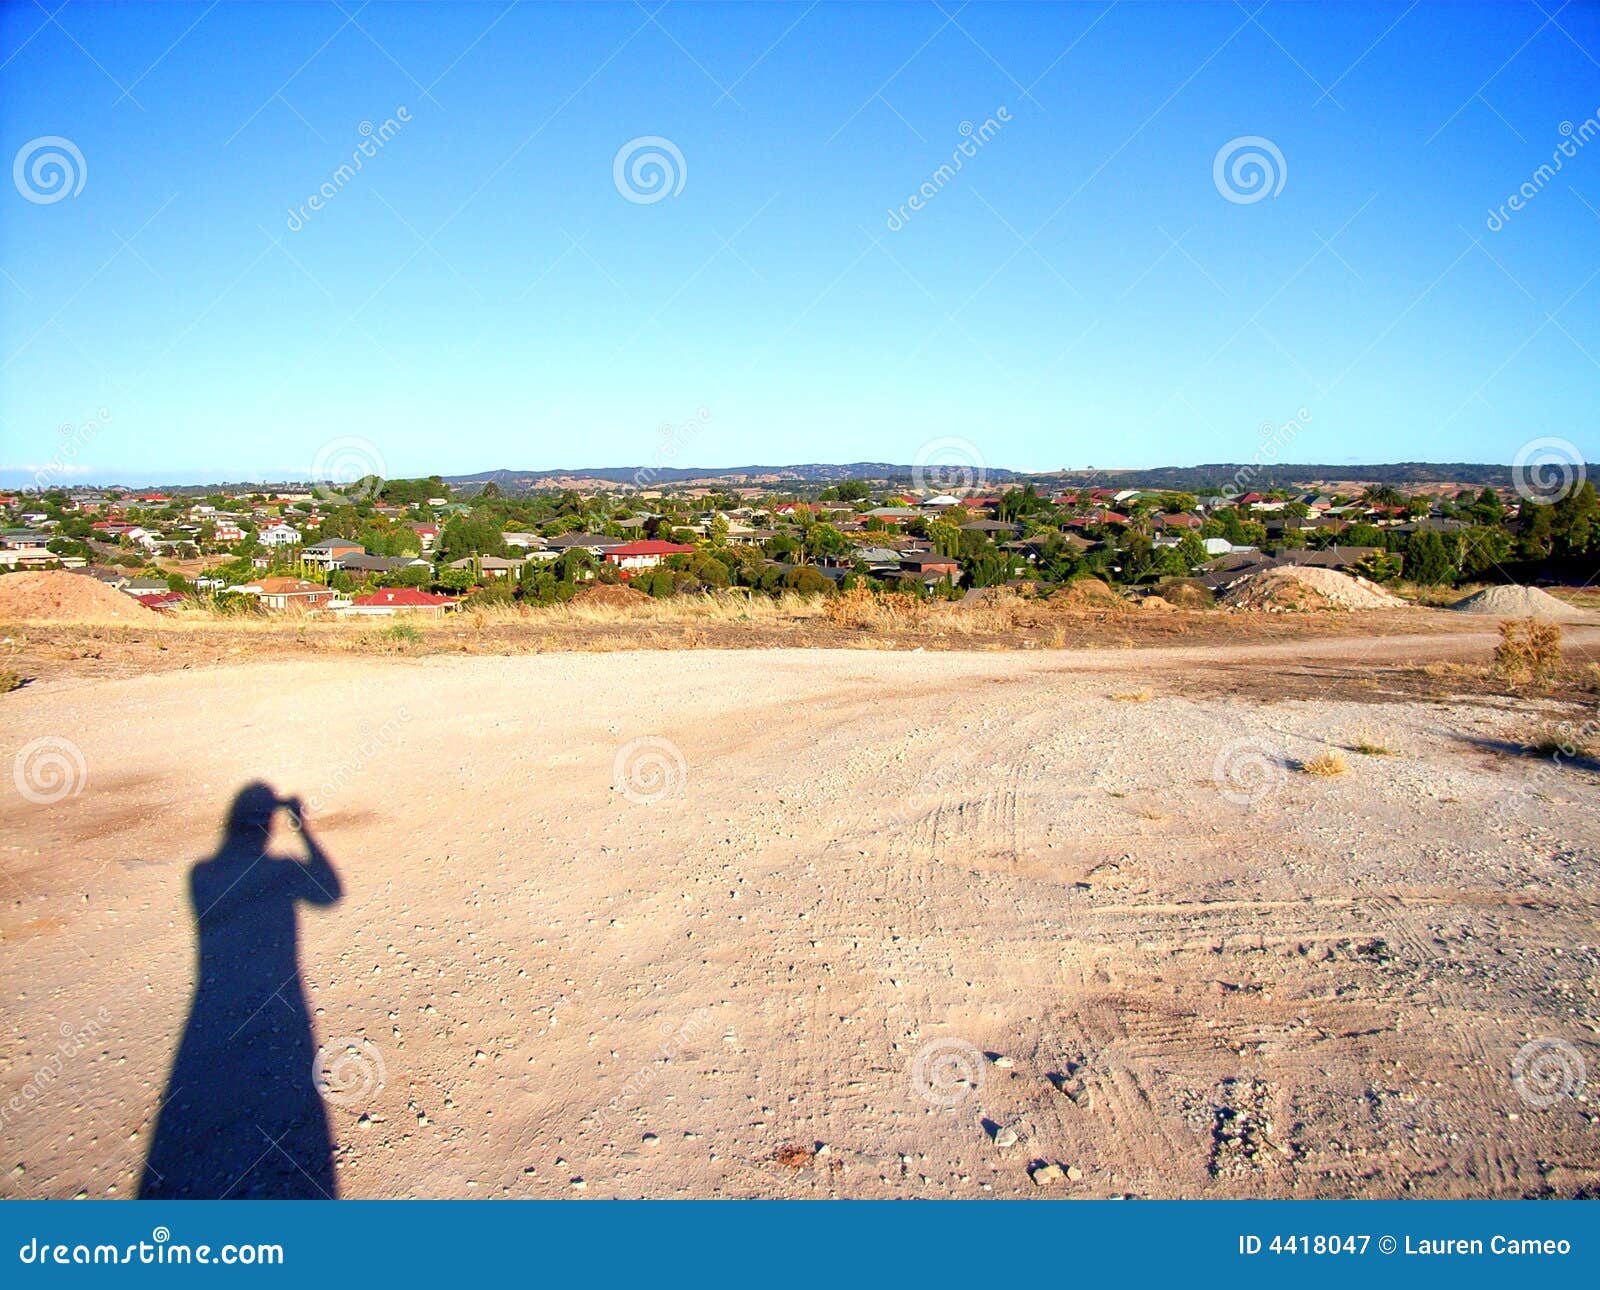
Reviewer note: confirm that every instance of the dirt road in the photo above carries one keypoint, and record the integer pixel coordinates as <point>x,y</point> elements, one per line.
<point>667,923</point>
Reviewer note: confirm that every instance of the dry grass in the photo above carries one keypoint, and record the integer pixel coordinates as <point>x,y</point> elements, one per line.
<point>1325,766</point>
<point>1566,741</point>
<point>1134,696</point>
<point>1369,745</point>
<point>1529,651</point>
<point>794,1156</point>
<point>10,681</point>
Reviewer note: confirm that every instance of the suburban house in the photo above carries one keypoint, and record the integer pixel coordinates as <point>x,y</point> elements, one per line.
<point>427,534</point>
<point>288,593</point>
<point>596,544</point>
<point>636,557</point>
<point>278,535</point>
<point>380,563</point>
<point>930,563</point>
<point>489,566</point>
<point>401,600</point>
<point>229,531</point>
<point>331,552</point>
<point>37,557</point>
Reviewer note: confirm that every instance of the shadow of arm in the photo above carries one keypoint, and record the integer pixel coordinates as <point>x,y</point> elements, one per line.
<point>321,885</point>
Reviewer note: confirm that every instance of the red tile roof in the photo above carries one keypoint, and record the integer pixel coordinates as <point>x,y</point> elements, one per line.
<point>403,597</point>
<point>650,547</point>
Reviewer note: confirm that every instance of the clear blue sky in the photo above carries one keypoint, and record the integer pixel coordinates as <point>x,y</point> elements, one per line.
<point>1080,293</point>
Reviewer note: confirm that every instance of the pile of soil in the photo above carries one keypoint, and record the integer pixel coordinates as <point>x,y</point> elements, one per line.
<point>1292,588</point>
<point>612,593</point>
<point>54,595</point>
<point>1185,593</point>
<point>1088,593</point>
<point>1156,602</point>
<point>1519,602</point>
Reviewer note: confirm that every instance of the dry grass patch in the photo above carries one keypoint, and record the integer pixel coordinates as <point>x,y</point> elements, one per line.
<point>1565,741</point>
<point>1529,650</point>
<point>1325,766</point>
<point>1134,696</point>
<point>1370,745</point>
<point>10,681</point>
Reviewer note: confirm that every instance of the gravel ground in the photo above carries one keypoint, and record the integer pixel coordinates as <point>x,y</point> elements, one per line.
<point>804,923</point>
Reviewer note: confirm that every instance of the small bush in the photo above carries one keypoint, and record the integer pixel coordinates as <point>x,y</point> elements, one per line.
<point>10,681</point>
<point>1326,766</point>
<point>1367,744</point>
<point>402,632</point>
<point>1529,651</point>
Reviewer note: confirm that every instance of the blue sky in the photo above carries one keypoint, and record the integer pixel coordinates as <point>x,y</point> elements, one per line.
<point>1082,291</point>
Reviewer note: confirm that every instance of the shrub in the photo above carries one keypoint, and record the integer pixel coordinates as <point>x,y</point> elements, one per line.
<point>1529,650</point>
<point>1325,766</point>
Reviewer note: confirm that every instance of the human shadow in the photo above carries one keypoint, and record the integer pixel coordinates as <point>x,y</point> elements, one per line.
<point>242,1115</point>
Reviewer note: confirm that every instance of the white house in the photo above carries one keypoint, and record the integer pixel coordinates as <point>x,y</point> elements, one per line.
<point>279,535</point>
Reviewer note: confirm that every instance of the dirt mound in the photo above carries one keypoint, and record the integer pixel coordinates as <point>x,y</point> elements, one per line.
<point>609,594</point>
<point>1156,602</point>
<point>1088,593</point>
<point>1296,588</point>
<point>1519,602</point>
<point>1186,593</point>
<point>56,596</point>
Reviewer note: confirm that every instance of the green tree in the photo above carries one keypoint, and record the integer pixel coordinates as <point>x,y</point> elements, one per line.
<point>1427,561</point>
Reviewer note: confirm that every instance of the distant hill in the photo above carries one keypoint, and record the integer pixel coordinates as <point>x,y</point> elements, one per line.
<point>1189,479</point>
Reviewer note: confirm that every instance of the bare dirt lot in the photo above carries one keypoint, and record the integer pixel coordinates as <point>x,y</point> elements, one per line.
<point>822,922</point>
